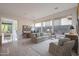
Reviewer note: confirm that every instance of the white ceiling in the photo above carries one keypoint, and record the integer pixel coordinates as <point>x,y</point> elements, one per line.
<point>33,10</point>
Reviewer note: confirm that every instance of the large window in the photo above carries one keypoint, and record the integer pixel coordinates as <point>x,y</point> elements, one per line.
<point>38,27</point>
<point>57,22</point>
<point>66,21</point>
<point>47,26</point>
<point>6,27</point>
<point>62,21</point>
<point>62,25</point>
<point>48,23</point>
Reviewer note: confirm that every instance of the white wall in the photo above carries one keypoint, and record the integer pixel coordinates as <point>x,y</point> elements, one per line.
<point>14,30</point>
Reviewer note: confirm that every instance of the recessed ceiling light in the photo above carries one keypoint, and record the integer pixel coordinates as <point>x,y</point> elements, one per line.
<point>25,13</point>
<point>56,8</point>
<point>34,17</point>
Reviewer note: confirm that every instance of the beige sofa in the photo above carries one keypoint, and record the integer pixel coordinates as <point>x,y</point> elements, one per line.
<point>37,37</point>
<point>64,50</point>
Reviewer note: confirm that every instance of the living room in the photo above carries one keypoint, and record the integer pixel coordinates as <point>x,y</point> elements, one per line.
<point>38,29</point>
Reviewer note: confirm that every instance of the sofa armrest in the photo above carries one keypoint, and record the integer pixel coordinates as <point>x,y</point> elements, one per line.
<point>53,45</point>
<point>56,49</point>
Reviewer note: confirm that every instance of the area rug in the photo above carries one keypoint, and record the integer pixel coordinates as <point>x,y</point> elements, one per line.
<point>42,48</point>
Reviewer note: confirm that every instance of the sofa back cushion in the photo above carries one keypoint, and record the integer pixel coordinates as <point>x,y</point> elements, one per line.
<point>69,44</point>
<point>61,41</point>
